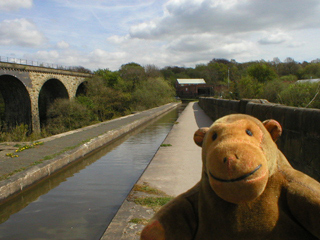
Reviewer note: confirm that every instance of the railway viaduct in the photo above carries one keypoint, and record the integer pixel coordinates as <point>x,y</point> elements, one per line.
<point>27,91</point>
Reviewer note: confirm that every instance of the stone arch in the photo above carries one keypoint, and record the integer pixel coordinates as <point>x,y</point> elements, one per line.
<point>82,89</point>
<point>16,100</point>
<point>51,90</point>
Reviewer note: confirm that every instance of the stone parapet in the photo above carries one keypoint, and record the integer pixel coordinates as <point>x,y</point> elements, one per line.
<point>300,140</point>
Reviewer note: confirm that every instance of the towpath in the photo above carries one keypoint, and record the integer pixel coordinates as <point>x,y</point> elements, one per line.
<point>175,168</point>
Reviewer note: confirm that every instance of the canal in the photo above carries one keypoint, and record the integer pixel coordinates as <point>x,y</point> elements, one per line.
<point>80,201</point>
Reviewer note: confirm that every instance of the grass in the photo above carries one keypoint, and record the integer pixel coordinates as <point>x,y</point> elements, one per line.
<point>153,202</point>
<point>147,189</point>
<point>48,157</point>
<point>6,176</point>
<point>139,221</point>
<point>165,145</point>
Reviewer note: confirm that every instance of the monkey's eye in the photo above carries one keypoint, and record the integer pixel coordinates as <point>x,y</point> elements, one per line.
<point>214,136</point>
<point>249,132</point>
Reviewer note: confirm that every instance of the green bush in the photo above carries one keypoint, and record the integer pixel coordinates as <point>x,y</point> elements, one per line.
<point>261,72</point>
<point>289,78</point>
<point>105,102</point>
<point>272,90</point>
<point>151,93</point>
<point>65,115</point>
<point>16,134</point>
<point>311,70</point>
<point>301,95</point>
<point>249,88</point>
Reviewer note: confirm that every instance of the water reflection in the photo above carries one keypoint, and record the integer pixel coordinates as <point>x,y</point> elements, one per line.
<point>80,202</point>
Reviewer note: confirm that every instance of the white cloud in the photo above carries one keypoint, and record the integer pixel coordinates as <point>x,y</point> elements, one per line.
<point>241,49</point>
<point>12,5</point>
<point>193,43</point>
<point>47,56</point>
<point>98,58</point>
<point>63,45</point>
<point>115,39</point>
<point>193,30</point>
<point>295,44</point>
<point>274,38</point>
<point>228,17</point>
<point>100,55</point>
<point>20,32</point>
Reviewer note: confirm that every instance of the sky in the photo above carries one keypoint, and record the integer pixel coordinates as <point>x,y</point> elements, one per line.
<point>105,34</point>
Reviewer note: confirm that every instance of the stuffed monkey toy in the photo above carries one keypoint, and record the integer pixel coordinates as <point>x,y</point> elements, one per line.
<point>248,190</point>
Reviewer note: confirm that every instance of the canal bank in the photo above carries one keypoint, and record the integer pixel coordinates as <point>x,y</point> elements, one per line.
<point>175,168</point>
<point>56,152</point>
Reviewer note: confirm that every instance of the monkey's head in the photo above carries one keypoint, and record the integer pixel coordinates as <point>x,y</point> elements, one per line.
<point>239,155</point>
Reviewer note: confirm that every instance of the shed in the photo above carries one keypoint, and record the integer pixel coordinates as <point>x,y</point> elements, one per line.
<point>193,88</point>
<point>314,80</point>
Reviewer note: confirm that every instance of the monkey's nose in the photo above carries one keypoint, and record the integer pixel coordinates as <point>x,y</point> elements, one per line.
<point>230,158</point>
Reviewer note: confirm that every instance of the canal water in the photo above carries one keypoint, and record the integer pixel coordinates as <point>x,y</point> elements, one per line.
<point>80,202</point>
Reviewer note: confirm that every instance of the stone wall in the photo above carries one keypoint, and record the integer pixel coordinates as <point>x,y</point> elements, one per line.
<point>300,141</point>
<point>38,79</point>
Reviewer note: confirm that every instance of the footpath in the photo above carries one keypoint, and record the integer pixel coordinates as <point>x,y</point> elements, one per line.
<point>175,168</point>
<point>54,153</point>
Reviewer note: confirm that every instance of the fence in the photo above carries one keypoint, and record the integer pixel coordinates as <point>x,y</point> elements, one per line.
<point>37,63</point>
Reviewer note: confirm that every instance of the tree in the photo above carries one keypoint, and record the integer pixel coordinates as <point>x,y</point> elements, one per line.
<point>220,60</point>
<point>152,93</point>
<point>203,72</point>
<point>80,69</point>
<point>311,70</point>
<point>110,78</point>
<point>65,115</point>
<point>218,72</point>
<point>261,72</point>
<point>152,71</point>
<point>276,61</point>
<point>289,66</point>
<point>249,88</point>
<point>132,73</point>
<point>103,101</point>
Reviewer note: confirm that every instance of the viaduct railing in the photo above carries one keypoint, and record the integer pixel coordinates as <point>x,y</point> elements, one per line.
<point>300,141</point>
<point>36,63</point>
<point>30,68</point>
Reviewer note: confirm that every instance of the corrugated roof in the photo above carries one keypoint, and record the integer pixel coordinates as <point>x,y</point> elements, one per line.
<point>314,80</point>
<point>191,81</point>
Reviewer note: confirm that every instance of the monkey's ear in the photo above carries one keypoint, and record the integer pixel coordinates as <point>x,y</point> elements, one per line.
<point>274,128</point>
<point>199,135</point>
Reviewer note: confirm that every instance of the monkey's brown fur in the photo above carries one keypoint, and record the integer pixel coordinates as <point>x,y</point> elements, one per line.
<point>248,190</point>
